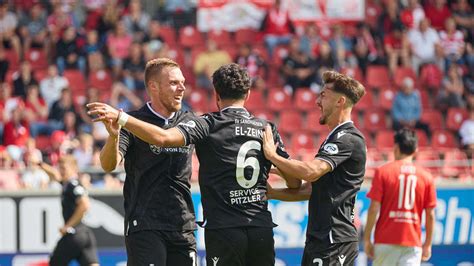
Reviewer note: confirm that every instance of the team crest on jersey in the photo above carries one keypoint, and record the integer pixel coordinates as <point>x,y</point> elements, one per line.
<point>331,148</point>
<point>155,149</point>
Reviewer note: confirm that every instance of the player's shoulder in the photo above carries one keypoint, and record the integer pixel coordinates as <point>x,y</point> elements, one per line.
<point>424,173</point>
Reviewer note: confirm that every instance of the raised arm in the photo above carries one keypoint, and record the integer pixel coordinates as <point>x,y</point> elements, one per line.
<point>147,132</point>
<point>52,172</point>
<point>309,171</point>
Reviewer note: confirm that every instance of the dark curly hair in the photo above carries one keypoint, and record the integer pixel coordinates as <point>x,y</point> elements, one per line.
<point>407,141</point>
<point>231,81</point>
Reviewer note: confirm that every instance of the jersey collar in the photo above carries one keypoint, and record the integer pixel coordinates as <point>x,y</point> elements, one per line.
<point>237,109</point>
<point>338,126</point>
<point>148,104</point>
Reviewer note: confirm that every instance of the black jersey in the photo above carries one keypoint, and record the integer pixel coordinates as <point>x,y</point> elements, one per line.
<point>331,206</point>
<point>72,190</point>
<point>233,171</point>
<point>157,193</point>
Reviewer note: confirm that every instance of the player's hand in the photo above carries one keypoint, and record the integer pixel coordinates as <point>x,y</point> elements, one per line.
<point>269,147</point>
<point>63,230</point>
<point>426,252</point>
<point>369,249</point>
<point>102,111</point>
<point>112,127</point>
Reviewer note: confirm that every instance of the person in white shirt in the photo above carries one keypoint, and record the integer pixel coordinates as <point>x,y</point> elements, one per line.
<point>52,85</point>
<point>424,43</point>
<point>466,132</point>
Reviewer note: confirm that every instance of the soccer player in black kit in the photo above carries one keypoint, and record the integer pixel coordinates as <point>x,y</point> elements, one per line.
<point>333,178</point>
<point>159,212</point>
<point>233,171</point>
<point>77,241</point>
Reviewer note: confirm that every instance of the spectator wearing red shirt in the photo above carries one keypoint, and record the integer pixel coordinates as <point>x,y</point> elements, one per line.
<point>400,192</point>
<point>397,47</point>
<point>412,14</point>
<point>16,134</point>
<point>277,27</point>
<point>437,13</point>
<point>36,112</point>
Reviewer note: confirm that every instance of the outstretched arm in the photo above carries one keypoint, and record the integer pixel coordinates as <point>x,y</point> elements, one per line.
<point>147,132</point>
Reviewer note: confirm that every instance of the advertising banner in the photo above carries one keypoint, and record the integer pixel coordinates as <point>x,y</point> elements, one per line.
<point>29,227</point>
<point>232,15</point>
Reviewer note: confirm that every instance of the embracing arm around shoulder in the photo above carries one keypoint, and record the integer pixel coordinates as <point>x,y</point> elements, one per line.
<point>155,135</point>
<point>291,194</point>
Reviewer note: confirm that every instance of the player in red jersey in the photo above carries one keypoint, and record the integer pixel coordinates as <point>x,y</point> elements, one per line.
<point>400,192</point>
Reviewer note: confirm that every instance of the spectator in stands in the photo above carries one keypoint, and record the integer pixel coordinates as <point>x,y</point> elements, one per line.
<point>154,41</point>
<point>52,85</point>
<point>136,21</point>
<point>24,78</point>
<point>118,43</point>
<point>364,47</point>
<point>466,132</point>
<point>464,18</point>
<point>33,177</point>
<point>69,55</point>
<point>84,152</point>
<point>412,14</point>
<point>123,98</point>
<point>341,45</point>
<point>310,39</point>
<point>57,148</point>
<point>389,20</point>
<point>59,109</point>
<point>93,44</point>
<point>406,108</point>
<point>178,13</point>
<point>209,61</point>
<point>8,24</point>
<point>452,43</point>
<point>7,102</point>
<point>424,43</point>
<point>298,69</point>
<point>36,112</point>
<point>4,64</point>
<point>33,29</point>
<point>397,48</point>
<point>133,68</point>
<point>252,61</point>
<point>324,60</point>
<point>437,12</point>
<point>277,27</point>
<point>71,125</point>
<point>452,89</point>
<point>15,135</point>
<point>110,17</point>
<point>58,21</point>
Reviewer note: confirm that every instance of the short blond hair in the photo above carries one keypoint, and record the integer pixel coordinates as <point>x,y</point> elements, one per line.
<point>155,66</point>
<point>344,84</point>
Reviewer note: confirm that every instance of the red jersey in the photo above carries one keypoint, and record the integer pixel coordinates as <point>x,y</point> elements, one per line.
<point>403,190</point>
<point>437,16</point>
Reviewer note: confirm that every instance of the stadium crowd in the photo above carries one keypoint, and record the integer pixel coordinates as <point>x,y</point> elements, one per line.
<point>415,57</point>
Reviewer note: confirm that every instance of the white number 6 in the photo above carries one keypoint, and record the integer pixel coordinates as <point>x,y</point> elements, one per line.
<point>249,162</point>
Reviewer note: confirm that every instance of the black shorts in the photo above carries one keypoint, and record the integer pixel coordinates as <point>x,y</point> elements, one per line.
<point>161,248</point>
<point>334,254</point>
<point>242,246</point>
<point>80,245</point>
